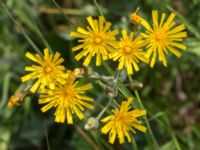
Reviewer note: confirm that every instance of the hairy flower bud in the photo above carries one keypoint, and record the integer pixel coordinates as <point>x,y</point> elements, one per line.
<point>17,98</point>
<point>78,72</point>
<point>135,85</point>
<point>91,123</point>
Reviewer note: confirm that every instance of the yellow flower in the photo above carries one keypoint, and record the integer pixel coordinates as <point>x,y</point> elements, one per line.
<point>67,99</point>
<point>163,37</point>
<point>122,122</point>
<point>135,19</point>
<point>48,71</point>
<point>97,40</point>
<point>128,52</point>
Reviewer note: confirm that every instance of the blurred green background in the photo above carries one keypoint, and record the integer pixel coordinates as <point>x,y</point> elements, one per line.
<point>171,95</point>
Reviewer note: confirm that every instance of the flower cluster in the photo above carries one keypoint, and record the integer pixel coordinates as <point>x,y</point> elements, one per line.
<point>159,39</point>
<point>59,88</point>
<point>68,98</point>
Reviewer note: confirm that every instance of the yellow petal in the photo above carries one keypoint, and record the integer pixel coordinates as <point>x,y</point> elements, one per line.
<point>35,86</point>
<point>178,35</point>
<point>174,51</point>
<point>87,105</point>
<point>170,19</point>
<point>139,113</point>
<point>85,87</point>
<point>155,17</point>
<point>128,137</point>
<point>60,115</point>
<point>107,26</point>
<point>135,66</point>
<point>78,113</point>
<point>91,22</point>
<point>56,57</point>
<point>46,53</point>
<point>177,29</point>
<point>121,64</point>
<point>77,47</point>
<point>32,57</point>
<point>101,22</point>
<point>129,68</point>
<point>48,106</point>
<point>98,59</point>
<point>153,60</point>
<point>87,60</point>
<point>139,127</point>
<point>77,35</point>
<point>112,137</point>
<point>27,77</point>
<point>85,98</point>
<point>120,135</point>
<point>82,31</point>
<point>179,45</point>
<point>146,25</point>
<point>124,34</point>
<point>162,19</point>
<point>69,117</point>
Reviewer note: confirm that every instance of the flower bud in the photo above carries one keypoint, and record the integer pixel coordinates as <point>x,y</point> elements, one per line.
<point>91,123</point>
<point>135,19</point>
<point>78,71</point>
<point>136,85</point>
<point>17,98</point>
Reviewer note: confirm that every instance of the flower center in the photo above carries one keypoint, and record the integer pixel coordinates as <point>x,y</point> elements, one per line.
<point>68,94</point>
<point>97,40</point>
<point>127,49</point>
<point>160,37</point>
<point>47,69</point>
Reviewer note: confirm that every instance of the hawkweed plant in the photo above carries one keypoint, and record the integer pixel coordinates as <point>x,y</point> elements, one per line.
<point>60,89</point>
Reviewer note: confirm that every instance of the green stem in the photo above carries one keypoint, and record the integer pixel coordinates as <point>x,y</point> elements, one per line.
<point>6,83</point>
<point>104,109</point>
<point>46,135</point>
<point>37,30</point>
<point>99,9</point>
<point>62,12</point>
<point>106,145</point>
<point>134,144</point>
<point>146,121</point>
<point>178,147</point>
<point>169,128</point>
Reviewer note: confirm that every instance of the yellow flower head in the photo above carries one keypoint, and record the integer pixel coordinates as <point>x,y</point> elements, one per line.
<point>97,40</point>
<point>135,19</point>
<point>129,52</point>
<point>68,99</point>
<point>122,122</point>
<point>47,72</point>
<point>163,37</point>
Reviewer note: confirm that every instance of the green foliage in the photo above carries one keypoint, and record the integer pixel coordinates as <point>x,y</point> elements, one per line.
<point>171,95</point>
